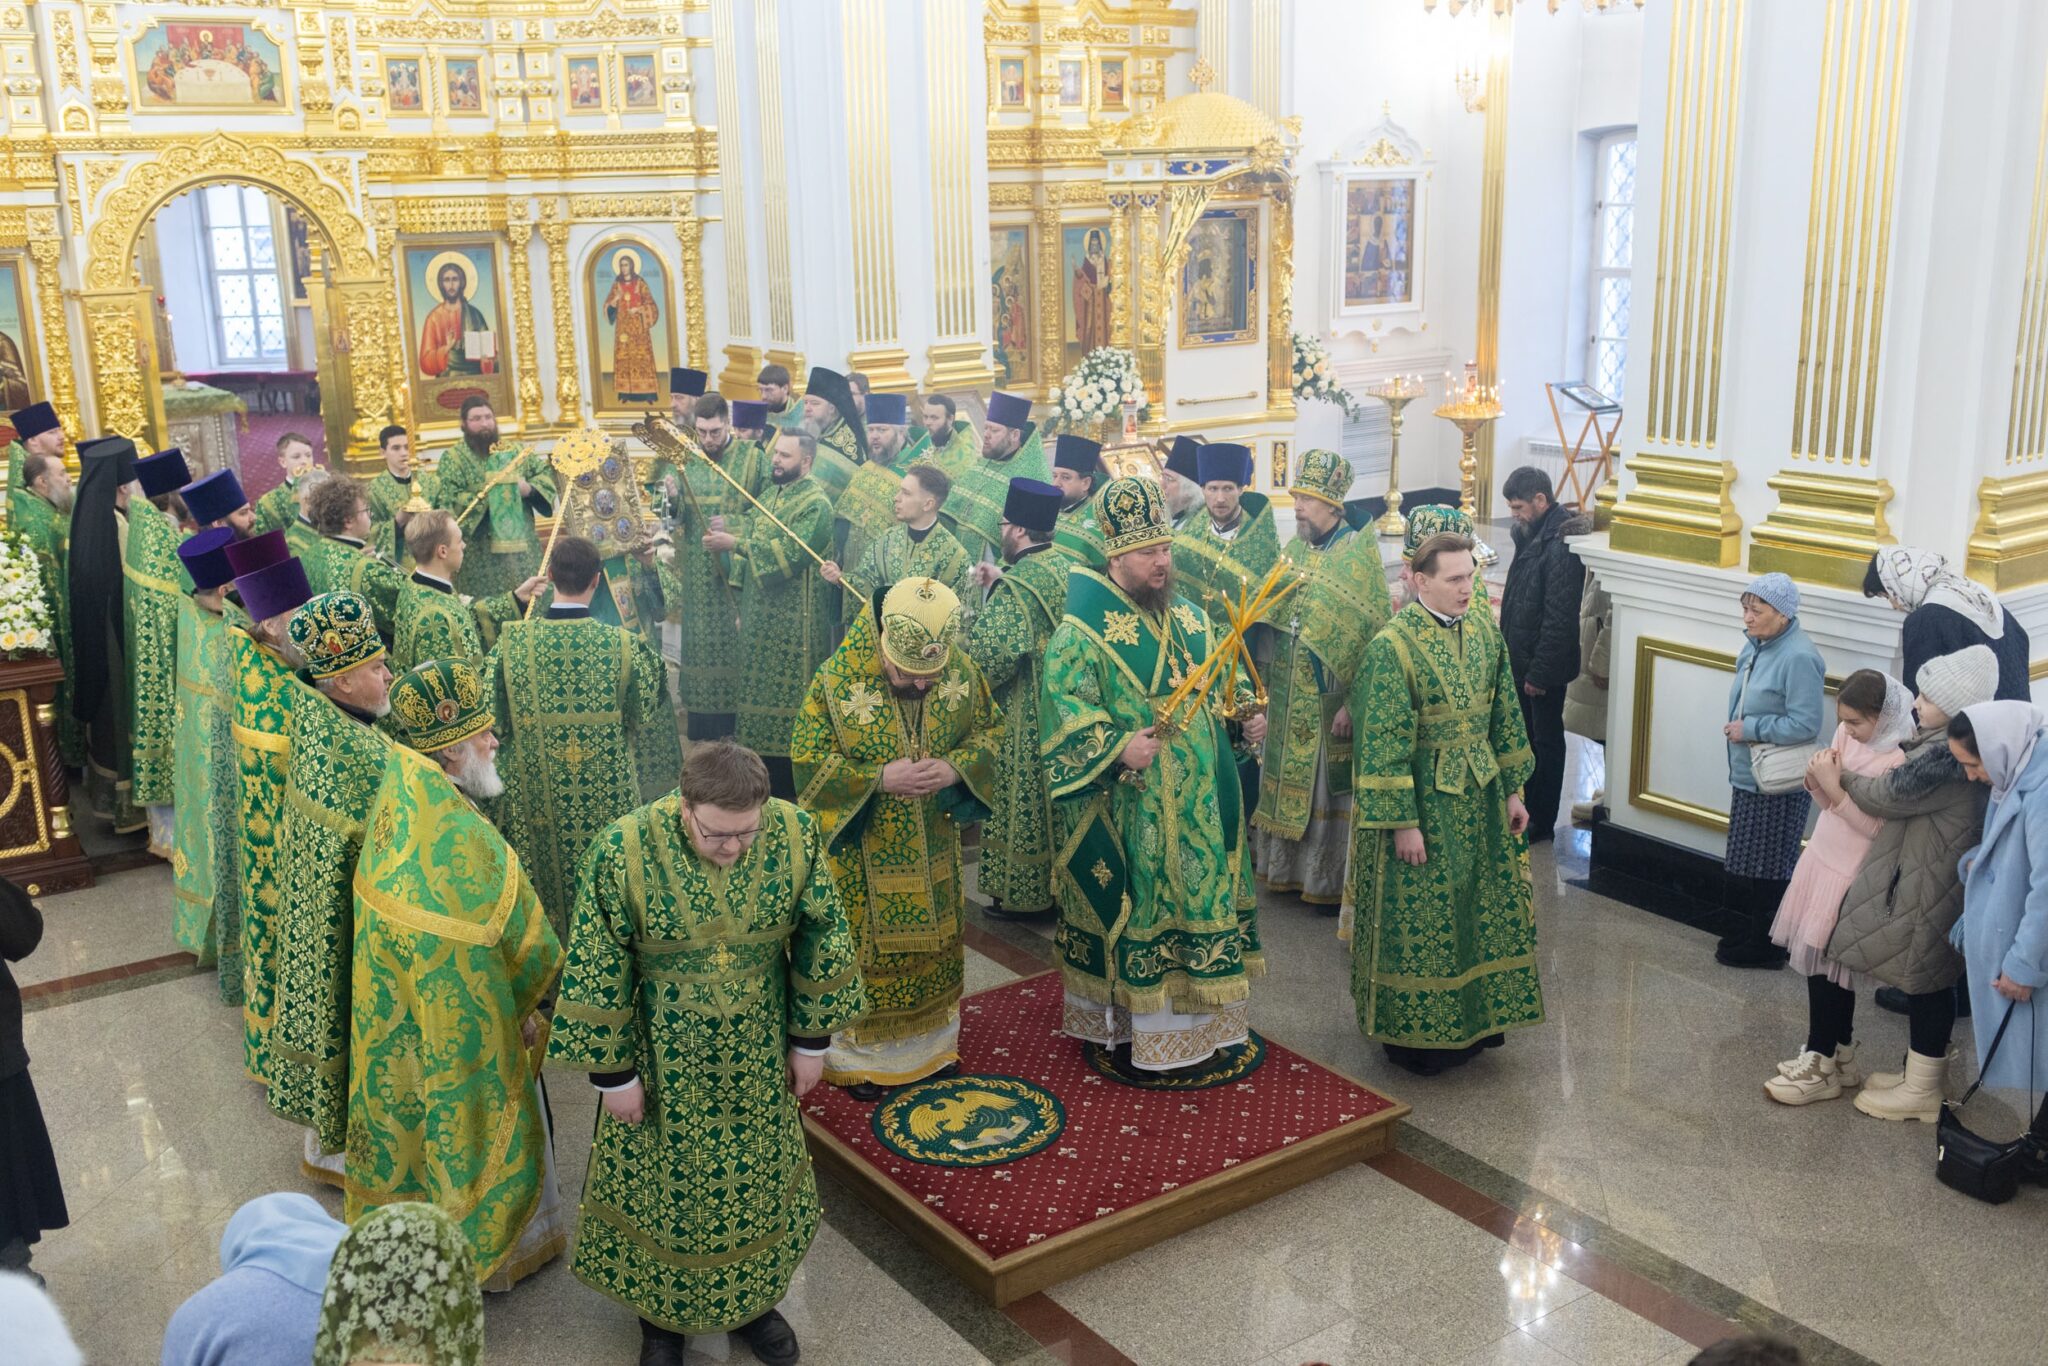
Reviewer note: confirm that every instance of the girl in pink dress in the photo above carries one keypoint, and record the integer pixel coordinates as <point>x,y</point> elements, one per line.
<point>1876,715</point>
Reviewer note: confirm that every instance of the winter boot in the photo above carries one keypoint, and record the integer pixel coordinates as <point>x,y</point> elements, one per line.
<point>1918,1096</point>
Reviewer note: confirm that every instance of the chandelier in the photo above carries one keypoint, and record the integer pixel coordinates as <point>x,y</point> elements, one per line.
<point>1502,8</point>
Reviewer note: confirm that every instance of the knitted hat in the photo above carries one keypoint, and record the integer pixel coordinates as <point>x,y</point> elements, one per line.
<point>749,413</point>
<point>1963,679</point>
<point>685,381</point>
<point>1133,516</point>
<point>439,703</point>
<point>1323,475</point>
<point>1076,453</point>
<point>336,632</point>
<point>1184,459</point>
<point>919,618</point>
<point>211,499</point>
<point>1432,519</point>
<point>164,472</point>
<point>33,420</point>
<point>205,557</point>
<point>273,590</point>
<point>1775,590</point>
<point>1225,460</point>
<point>1032,504</point>
<point>888,410</point>
<point>1008,410</point>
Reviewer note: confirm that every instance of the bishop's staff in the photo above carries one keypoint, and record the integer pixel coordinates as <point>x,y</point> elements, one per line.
<point>662,434</point>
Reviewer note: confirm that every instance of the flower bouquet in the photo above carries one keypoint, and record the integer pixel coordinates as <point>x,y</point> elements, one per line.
<point>24,613</point>
<point>1316,377</point>
<point>1092,397</point>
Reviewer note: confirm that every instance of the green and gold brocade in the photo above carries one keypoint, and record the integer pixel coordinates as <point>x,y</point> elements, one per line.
<point>388,494</point>
<point>438,623</point>
<point>974,509</point>
<point>1079,536</point>
<point>17,456</point>
<point>1318,637</point>
<point>208,922</point>
<point>47,534</point>
<point>952,458</point>
<point>337,763</point>
<point>696,976</point>
<point>839,457</point>
<point>896,860</point>
<point>866,508</point>
<point>1156,904</point>
<point>894,556</point>
<point>263,709</point>
<point>1007,642</point>
<point>452,952</point>
<point>1444,953</point>
<point>1209,568</point>
<point>334,565</point>
<point>153,590</point>
<point>789,610</point>
<point>504,545</point>
<point>586,733</point>
<point>277,509</point>
<point>709,596</point>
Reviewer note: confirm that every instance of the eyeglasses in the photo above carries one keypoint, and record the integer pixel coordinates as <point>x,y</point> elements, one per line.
<point>721,838</point>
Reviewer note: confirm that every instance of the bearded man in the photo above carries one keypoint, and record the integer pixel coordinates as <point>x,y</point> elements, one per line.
<point>895,753</point>
<point>709,627</point>
<point>664,482</point>
<point>774,383</point>
<point>829,416</point>
<point>152,596</point>
<point>42,520</point>
<point>1181,482</point>
<point>1078,473</point>
<point>218,500</point>
<point>36,432</point>
<point>1236,543</point>
<point>452,960</point>
<point>749,420</point>
<point>865,509</point>
<point>1158,934</point>
<point>515,484</point>
<point>1010,449</point>
<point>944,437</point>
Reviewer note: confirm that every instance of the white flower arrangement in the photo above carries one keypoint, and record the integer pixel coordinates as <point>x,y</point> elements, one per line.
<point>1315,376</point>
<point>24,612</point>
<point>1096,390</point>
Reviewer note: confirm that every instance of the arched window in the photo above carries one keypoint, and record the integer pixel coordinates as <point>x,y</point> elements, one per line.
<point>241,253</point>
<point>1614,213</point>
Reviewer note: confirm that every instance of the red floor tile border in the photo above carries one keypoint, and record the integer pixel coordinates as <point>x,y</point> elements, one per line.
<point>58,985</point>
<point>1673,1313</point>
<point>1067,1338</point>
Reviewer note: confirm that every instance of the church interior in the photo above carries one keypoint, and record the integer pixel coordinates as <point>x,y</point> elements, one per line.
<point>1400,238</point>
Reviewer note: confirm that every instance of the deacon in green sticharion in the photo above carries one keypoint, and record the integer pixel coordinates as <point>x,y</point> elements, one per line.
<point>709,506</point>
<point>152,595</point>
<point>206,785</point>
<point>915,546</point>
<point>709,966</point>
<point>1158,933</point>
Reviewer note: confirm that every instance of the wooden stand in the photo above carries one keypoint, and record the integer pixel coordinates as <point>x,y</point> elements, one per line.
<point>38,849</point>
<point>1578,485</point>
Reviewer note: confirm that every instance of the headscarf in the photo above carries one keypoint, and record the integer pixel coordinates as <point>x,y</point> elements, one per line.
<point>96,583</point>
<point>402,1289</point>
<point>1921,578</point>
<point>288,1235</point>
<point>1895,723</point>
<point>2006,733</point>
<point>36,1334</point>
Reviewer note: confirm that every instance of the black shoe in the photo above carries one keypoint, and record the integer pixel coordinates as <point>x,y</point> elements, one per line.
<point>1892,999</point>
<point>951,1069</point>
<point>866,1092</point>
<point>1423,1062</point>
<point>996,910</point>
<point>1750,954</point>
<point>2030,1158</point>
<point>1540,833</point>
<point>659,1346</point>
<point>1325,908</point>
<point>772,1339</point>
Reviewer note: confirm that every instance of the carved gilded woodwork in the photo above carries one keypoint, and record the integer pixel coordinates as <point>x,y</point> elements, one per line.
<point>1120,269</point>
<point>117,350</point>
<point>554,231</point>
<point>1280,306</point>
<point>696,333</point>
<point>430,214</point>
<point>1051,281</point>
<point>518,216</point>
<point>45,250</point>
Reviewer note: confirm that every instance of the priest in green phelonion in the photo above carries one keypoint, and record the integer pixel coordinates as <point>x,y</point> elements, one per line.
<point>1011,448</point>
<point>1078,472</point>
<point>495,489</point>
<point>152,596</point>
<point>865,510</point>
<point>36,432</point>
<point>829,415</point>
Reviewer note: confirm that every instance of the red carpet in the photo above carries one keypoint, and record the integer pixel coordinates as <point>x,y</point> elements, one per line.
<point>1123,1147</point>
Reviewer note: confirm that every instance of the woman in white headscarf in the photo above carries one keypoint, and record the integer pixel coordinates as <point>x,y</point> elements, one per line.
<point>265,1307</point>
<point>1946,612</point>
<point>1874,715</point>
<point>2004,930</point>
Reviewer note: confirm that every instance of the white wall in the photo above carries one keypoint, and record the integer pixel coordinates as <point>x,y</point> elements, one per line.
<point>182,255</point>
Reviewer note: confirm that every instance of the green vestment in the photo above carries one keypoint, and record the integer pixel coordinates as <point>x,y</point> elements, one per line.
<point>709,630</point>
<point>438,623</point>
<point>17,456</point>
<point>263,709</point>
<point>1208,568</point>
<point>952,458</point>
<point>152,593</point>
<point>586,733</point>
<point>334,564</point>
<point>866,508</point>
<point>974,509</point>
<point>305,543</point>
<point>47,534</point>
<point>896,860</point>
<point>504,546</point>
<point>277,509</point>
<point>452,952</point>
<point>1007,643</point>
<point>337,763</point>
<point>208,922</point>
<point>1443,954</point>
<point>895,556</point>
<point>1156,904</point>
<point>387,494</point>
<point>696,977</point>
<point>1078,536</point>
<point>839,456</point>
<point>789,611</point>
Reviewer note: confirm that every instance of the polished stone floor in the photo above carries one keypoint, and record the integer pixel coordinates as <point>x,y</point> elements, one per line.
<point>1611,1187</point>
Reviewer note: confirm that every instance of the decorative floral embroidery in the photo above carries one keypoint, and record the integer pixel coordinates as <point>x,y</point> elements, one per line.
<point>1120,628</point>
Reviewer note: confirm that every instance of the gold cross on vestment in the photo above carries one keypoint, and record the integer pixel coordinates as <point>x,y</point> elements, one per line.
<point>574,754</point>
<point>722,957</point>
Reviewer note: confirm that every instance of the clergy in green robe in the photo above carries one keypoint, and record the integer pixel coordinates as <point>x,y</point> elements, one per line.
<point>709,628</point>
<point>830,414</point>
<point>588,730</point>
<point>37,431</point>
<point>514,484</point>
<point>779,408</point>
<point>271,585</point>
<point>789,610</point>
<point>39,515</point>
<point>1309,652</point>
<point>1181,482</point>
<point>152,599</point>
<point>344,560</point>
<point>895,754</point>
<point>1010,449</point>
<point>1432,519</point>
<point>866,509</point>
<point>944,438</point>
<point>1158,933</point>
<point>453,955</point>
<point>709,965</point>
<point>1443,957</point>
<point>279,508</point>
<point>391,490</point>
<point>1007,642</point>
<point>433,621</point>
<point>916,546</point>
<point>337,761</point>
<point>1235,545</point>
<point>205,788</point>
<point>1078,474</point>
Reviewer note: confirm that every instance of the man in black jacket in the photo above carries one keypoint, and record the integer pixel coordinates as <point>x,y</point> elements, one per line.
<point>1539,615</point>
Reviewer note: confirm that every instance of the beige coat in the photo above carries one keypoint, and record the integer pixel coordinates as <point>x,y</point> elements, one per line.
<point>1585,702</point>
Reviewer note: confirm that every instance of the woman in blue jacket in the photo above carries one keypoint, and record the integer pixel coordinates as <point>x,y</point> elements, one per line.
<point>1777,698</point>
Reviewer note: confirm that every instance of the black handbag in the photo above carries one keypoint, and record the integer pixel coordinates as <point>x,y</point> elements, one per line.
<point>1965,1160</point>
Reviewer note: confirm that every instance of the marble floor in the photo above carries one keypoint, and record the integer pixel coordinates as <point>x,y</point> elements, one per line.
<point>1611,1187</point>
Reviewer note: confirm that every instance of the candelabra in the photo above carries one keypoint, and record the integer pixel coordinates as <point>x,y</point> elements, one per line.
<point>1397,393</point>
<point>1469,411</point>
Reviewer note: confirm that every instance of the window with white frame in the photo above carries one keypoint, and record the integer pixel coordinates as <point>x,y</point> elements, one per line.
<point>241,254</point>
<point>1614,214</point>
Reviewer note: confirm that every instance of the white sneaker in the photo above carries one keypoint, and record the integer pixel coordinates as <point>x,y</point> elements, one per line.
<point>1813,1078</point>
<point>1845,1063</point>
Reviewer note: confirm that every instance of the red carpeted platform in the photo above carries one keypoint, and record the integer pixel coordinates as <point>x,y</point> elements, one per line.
<point>1132,1168</point>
